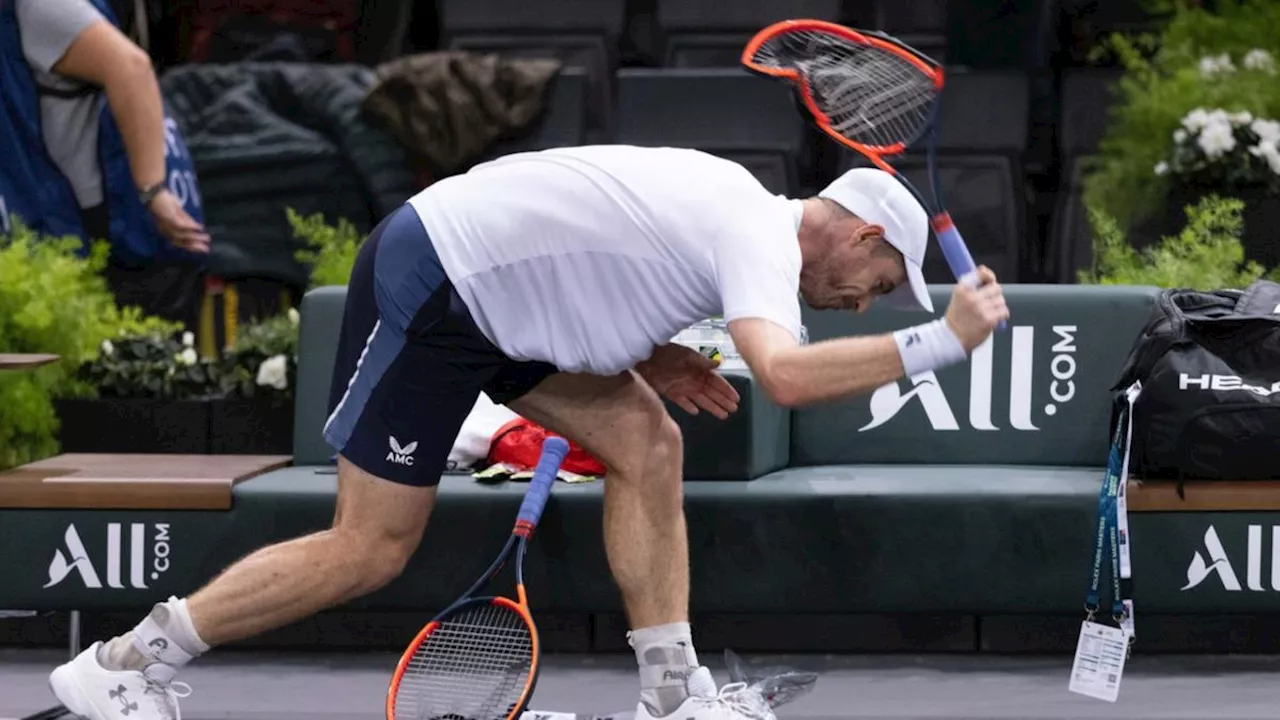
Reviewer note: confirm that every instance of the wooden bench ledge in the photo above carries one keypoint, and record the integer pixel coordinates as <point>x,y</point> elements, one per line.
<point>22,361</point>
<point>1204,496</point>
<point>132,482</point>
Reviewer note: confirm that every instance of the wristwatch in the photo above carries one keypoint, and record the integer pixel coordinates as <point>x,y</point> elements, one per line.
<point>145,196</point>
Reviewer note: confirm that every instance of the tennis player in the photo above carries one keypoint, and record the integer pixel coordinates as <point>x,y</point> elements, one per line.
<point>555,281</point>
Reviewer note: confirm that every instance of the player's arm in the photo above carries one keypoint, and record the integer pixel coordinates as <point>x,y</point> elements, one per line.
<point>796,375</point>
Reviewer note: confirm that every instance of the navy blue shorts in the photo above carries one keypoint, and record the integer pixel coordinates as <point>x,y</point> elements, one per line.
<point>411,360</point>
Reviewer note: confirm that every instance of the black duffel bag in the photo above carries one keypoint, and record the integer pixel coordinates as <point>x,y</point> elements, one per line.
<point>1209,364</point>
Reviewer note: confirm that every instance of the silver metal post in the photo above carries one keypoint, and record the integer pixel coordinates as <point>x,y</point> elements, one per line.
<point>74,632</point>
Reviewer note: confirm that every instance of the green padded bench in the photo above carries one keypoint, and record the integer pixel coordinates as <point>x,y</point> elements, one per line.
<point>971,492</point>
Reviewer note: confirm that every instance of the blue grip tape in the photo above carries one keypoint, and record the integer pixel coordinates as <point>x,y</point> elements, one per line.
<point>958,258</point>
<point>957,254</point>
<point>544,476</point>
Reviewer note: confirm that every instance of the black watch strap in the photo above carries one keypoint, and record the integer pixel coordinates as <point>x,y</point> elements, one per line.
<point>147,195</point>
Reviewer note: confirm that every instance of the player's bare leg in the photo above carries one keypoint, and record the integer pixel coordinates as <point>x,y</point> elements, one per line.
<point>623,423</point>
<point>376,528</point>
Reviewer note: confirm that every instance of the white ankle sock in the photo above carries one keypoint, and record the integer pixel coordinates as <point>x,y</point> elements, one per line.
<point>165,636</point>
<point>666,658</point>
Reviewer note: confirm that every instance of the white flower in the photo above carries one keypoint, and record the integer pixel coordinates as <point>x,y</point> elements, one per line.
<point>273,372</point>
<point>1212,65</point>
<point>1268,131</point>
<point>107,348</point>
<point>188,339</point>
<point>1216,140</point>
<point>1162,168</point>
<point>1179,136</point>
<point>1195,120</point>
<point>187,357</point>
<point>1269,152</point>
<point>1258,59</point>
<point>1240,118</point>
<point>293,315</point>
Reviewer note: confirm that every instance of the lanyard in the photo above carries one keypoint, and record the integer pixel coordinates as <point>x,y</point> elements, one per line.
<point>1111,527</point>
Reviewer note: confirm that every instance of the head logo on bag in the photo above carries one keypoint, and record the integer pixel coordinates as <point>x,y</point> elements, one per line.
<point>1209,363</point>
<point>1026,376</point>
<point>1224,383</point>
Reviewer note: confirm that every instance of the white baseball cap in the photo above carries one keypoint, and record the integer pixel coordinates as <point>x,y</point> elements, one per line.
<point>878,198</point>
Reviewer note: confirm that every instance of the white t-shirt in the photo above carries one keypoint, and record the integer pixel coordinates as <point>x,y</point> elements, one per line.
<point>588,258</point>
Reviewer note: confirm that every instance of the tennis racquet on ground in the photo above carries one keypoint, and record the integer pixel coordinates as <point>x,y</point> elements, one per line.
<point>871,93</point>
<point>478,659</point>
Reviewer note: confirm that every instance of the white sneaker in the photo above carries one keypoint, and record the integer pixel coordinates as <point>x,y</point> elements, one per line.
<point>95,693</point>
<point>732,702</point>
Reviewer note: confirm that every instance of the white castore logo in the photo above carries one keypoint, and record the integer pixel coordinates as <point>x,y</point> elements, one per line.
<point>888,400</point>
<point>401,455</point>
<point>74,557</point>
<point>1214,561</point>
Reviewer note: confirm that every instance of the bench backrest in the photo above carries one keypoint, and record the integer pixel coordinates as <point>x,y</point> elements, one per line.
<point>1037,394</point>
<point>318,331</point>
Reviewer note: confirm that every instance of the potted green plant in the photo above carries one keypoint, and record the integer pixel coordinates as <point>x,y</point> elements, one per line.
<point>1205,253</point>
<point>53,299</point>
<point>254,414</point>
<point>329,251</point>
<point>153,394</point>
<point>1191,118</point>
<point>1233,153</point>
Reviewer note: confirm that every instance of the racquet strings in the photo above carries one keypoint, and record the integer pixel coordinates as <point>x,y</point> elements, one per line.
<point>870,95</point>
<point>475,665</point>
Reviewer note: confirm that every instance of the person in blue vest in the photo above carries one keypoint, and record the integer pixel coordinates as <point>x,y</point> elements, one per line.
<point>90,151</point>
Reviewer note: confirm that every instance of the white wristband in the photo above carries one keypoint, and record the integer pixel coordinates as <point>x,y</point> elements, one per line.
<point>928,347</point>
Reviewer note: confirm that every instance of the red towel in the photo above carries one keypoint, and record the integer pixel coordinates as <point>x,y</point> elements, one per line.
<point>519,443</point>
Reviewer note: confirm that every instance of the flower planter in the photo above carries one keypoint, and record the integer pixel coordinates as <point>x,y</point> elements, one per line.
<point>133,425</point>
<point>251,426</point>
<point>1261,217</point>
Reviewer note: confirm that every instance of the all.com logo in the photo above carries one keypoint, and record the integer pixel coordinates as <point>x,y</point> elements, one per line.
<point>1214,562</point>
<point>1057,377</point>
<point>146,559</point>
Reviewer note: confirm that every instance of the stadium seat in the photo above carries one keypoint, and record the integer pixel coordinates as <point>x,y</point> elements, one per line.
<point>582,33</point>
<point>1086,99</point>
<point>984,111</point>
<point>918,23</point>
<point>981,195</point>
<point>1106,16</point>
<point>711,33</point>
<point>563,122</point>
<point>1071,236</point>
<point>982,139</point>
<point>725,111</point>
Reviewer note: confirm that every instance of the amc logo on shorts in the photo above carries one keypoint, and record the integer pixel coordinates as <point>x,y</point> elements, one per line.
<point>116,556</point>
<point>1049,377</point>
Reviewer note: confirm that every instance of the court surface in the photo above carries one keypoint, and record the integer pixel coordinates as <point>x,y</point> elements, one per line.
<point>269,686</point>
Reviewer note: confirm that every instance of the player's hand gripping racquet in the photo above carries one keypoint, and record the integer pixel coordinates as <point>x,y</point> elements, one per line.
<point>869,92</point>
<point>478,659</point>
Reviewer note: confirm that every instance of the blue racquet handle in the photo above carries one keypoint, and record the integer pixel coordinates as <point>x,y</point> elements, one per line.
<point>956,252</point>
<point>544,476</point>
